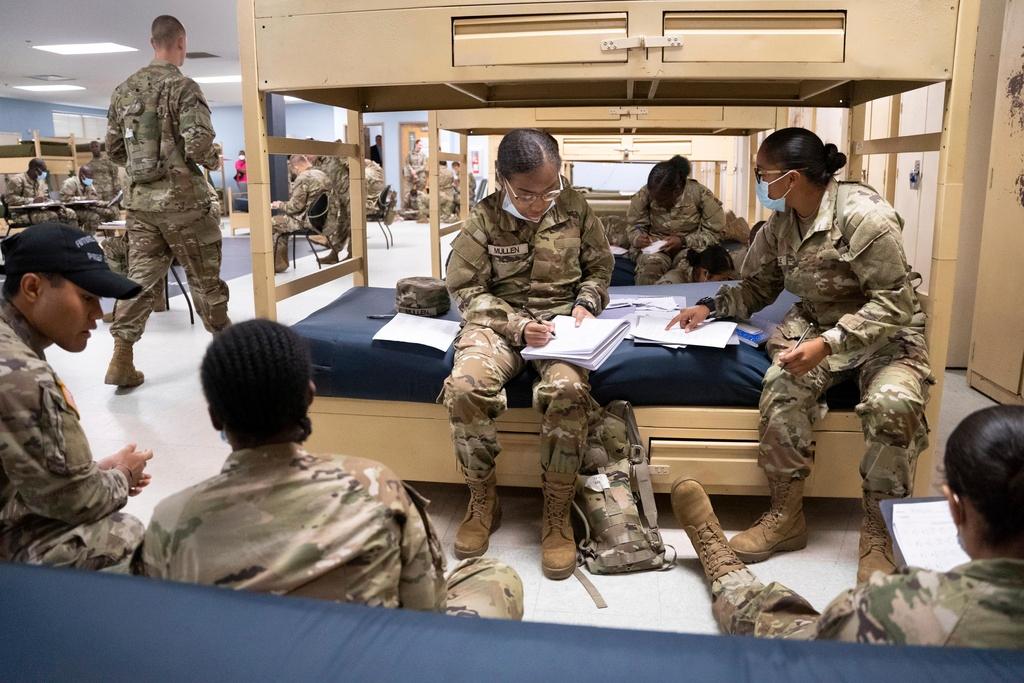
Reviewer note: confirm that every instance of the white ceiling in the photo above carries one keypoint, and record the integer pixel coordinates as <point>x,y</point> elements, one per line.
<point>211,27</point>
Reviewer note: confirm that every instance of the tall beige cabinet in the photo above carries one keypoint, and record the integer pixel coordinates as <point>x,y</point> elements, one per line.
<point>996,365</point>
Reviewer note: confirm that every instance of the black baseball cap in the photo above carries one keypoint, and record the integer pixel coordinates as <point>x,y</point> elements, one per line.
<point>68,252</point>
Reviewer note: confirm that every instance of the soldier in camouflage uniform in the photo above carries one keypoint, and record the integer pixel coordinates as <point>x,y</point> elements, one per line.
<point>839,248</point>
<point>278,519</point>
<point>676,208</point>
<point>83,187</point>
<point>457,172</point>
<point>977,604</point>
<point>309,185</point>
<point>446,204</point>
<point>338,227</point>
<point>57,505</point>
<point>415,172</point>
<point>527,253</point>
<point>159,127</point>
<point>616,229</point>
<point>30,188</point>
<point>105,175</point>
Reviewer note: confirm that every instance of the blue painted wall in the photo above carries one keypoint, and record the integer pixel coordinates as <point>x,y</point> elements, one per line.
<point>24,116</point>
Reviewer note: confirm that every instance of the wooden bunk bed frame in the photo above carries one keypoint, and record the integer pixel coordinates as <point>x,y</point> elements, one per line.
<point>65,165</point>
<point>643,55</point>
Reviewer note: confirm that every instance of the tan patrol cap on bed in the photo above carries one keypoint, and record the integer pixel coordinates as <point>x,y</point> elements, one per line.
<point>422,296</point>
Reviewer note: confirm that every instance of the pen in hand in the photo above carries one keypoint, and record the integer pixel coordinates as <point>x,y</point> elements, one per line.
<point>798,342</point>
<point>535,318</point>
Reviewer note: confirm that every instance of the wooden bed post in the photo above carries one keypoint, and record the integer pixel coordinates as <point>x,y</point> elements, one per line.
<point>433,166</point>
<point>952,160</point>
<point>855,161</point>
<point>357,198</point>
<point>258,168</point>
<point>752,212</point>
<point>895,104</point>
<point>464,178</point>
<point>36,145</point>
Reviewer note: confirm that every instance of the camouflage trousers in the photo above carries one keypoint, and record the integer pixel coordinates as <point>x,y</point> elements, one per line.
<point>115,248</point>
<point>894,383</point>
<point>90,219</point>
<point>616,229</point>
<point>284,224</point>
<point>446,208</point>
<point>744,606</point>
<point>105,544</point>
<point>59,214</point>
<point>484,587</point>
<point>652,269</point>
<point>475,396</point>
<point>193,239</point>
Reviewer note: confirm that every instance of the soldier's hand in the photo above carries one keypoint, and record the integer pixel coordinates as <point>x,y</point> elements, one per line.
<point>644,240</point>
<point>580,314</point>
<point>804,358</point>
<point>133,461</point>
<point>538,334</point>
<point>141,484</point>
<point>673,243</point>
<point>689,318</point>
<point>40,200</point>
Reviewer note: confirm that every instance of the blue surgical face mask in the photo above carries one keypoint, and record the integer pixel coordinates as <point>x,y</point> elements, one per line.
<point>766,201</point>
<point>87,182</point>
<point>42,176</point>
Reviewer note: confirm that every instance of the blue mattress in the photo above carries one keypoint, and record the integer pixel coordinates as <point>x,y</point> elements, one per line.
<point>58,624</point>
<point>348,363</point>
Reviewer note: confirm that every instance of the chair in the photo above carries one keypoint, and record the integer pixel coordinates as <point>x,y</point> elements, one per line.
<point>385,202</point>
<point>184,292</point>
<point>481,191</point>
<point>316,216</point>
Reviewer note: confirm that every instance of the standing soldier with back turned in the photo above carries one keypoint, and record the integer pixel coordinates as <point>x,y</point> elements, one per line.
<point>159,127</point>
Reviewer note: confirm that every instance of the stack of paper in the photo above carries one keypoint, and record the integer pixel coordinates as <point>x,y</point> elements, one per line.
<point>650,328</point>
<point>658,303</point>
<point>926,535</point>
<point>617,250</point>
<point>654,247</point>
<point>587,346</point>
<point>417,329</point>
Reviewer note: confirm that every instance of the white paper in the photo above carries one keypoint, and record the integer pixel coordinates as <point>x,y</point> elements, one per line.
<point>598,482</point>
<point>659,303</point>
<point>588,345</point>
<point>926,535</point>
<point>617,250</point>
<point>417,329</point>
<point>714,334</point>
<point>654,247</point>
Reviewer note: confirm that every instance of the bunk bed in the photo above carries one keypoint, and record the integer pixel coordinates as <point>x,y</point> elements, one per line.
<point>63,156</point>
<point>680,59</point>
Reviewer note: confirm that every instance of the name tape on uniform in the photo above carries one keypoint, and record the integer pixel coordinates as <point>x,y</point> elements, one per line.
<point>508,250</point>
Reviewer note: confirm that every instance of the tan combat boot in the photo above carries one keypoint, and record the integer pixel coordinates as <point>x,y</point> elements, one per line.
<point>781,528</point>
<point>483,516</point>
<point>121,371</point>
<point>693,510</point>
<point>331,257</point>
<point>281,256</point>
<point>558,546</point>
<point>875,543</point>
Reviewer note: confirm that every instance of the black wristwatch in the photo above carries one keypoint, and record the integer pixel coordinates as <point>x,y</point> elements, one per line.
<point>585,305</point>
<point>709,302</point>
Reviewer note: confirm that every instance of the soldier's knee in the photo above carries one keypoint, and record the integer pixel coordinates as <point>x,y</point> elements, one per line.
<point>561,393</point>
<point>892,417</point>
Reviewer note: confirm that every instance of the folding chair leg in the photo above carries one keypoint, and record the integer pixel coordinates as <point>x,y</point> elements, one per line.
<point>315,254</point>
<point>383,231</point>
<point>390,234</point>
<point>184,293</point>
<point>294,237</point>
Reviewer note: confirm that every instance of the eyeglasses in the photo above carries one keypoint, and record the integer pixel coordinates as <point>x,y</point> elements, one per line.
<point>532,198</point>
<point>759,173</point>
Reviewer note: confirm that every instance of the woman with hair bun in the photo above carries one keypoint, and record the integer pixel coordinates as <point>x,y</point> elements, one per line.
<point>676,208</point>
<point>838,247</point>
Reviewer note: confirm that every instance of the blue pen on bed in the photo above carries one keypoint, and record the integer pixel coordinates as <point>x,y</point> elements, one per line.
<point>537,319</point>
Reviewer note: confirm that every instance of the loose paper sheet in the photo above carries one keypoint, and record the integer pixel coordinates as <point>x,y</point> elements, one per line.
<point>654,247</point>
<point>926,535</point>
<point>652,327</point>
<point>417,329</point>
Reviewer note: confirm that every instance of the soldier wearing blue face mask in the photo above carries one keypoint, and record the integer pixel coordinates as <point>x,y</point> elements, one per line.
<point>837,246</point>
<point>80,188</point>
<point>31,188</point>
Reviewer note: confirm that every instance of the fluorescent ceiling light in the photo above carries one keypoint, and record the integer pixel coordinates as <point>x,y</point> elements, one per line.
<point>48,88</point>
<point>85,48</point>
<point>237,78</point>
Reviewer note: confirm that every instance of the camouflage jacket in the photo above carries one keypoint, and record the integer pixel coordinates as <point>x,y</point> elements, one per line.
<point>185,133</point>
<point>697,217</point>
<point>280,520</point>
<point>855,290</point>
<point>500,264</point>
<point>336,171</point>
<point>304,190</point>
<point>375,183</point>
<point>23,190</point>
<point>415,164</point>
<point>446,180</point>
<point>72,188</point>
<point>978,604</point>
<point>46,467</point>
<point>105,178</point>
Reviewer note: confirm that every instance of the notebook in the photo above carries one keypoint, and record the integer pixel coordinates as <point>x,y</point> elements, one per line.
<point>924,534</point>
<point>587,346</point>
<point>651,328</point>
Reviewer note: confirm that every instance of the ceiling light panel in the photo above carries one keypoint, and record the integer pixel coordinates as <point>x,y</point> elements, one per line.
<point>48,88</point>
<point>237,78</point>
<point>85,48</point>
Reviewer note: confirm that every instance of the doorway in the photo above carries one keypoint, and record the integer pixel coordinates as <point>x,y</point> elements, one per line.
<point>408,134</point>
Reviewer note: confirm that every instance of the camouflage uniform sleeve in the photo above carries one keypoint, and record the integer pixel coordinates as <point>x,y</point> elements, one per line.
<point>712,222</point>
<point>422,583</point>
<point>760,287</point>
<point>638,217</point>
<point>15,195</point>
<point>196,127</point>
<point>116,149</point>
<point>469,280</point>
<point>877,260</point>
<point>46,456</point>
<point>67,190</point>
<point>298,198</point>
<point>596,264</point>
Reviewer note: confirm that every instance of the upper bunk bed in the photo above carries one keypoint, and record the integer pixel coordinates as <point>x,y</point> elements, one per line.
<point>632,60</point>
<point>62,155</point>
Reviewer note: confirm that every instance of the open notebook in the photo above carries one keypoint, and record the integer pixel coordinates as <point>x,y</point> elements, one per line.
<point>587,346</point>
<point>650,328</point>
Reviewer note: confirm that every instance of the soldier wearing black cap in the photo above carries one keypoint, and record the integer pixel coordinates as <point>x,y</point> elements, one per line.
<point>57,505</point>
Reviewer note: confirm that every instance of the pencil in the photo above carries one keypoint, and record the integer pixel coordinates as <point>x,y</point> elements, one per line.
<point>533,316</point>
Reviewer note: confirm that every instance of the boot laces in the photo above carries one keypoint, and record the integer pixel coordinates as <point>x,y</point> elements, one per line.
<point>877,534</point>
<point>477,499</point>
<point>555,505</point>
<point>714,553</point>
<point>770,519</point>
